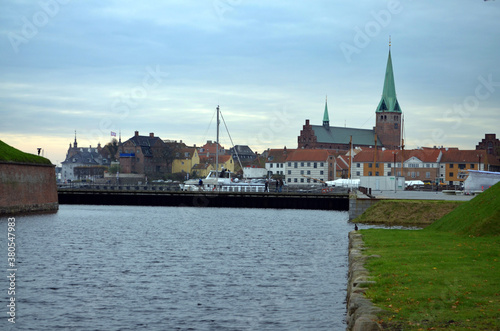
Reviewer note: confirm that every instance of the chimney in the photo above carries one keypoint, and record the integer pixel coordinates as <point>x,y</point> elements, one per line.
<point>307,122</point>
<point>151,135</point>
<point>137,133</point>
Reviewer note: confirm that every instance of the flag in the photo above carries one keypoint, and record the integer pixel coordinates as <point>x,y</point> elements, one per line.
<point>113,134</point>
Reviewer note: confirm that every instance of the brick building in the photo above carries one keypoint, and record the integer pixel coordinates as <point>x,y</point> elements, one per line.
<point>490,144</point>
<point>386,133</point>
<point>143,155</point>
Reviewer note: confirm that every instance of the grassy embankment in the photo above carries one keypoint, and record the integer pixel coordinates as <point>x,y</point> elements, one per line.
<point>11,154</point>
<point>407,212</point>
<point>444,277</point>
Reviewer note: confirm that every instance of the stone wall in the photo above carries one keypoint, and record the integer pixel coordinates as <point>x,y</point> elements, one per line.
<point>26,188</point>
<point>361,313</point>
<point>357,206</point>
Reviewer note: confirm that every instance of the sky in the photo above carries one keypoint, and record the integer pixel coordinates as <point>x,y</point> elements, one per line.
<point>97,67</point>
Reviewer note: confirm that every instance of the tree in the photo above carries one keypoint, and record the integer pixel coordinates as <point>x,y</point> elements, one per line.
<point>109,151</point>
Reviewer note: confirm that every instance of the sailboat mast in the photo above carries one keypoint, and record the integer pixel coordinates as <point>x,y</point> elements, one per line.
<point>217,148</point>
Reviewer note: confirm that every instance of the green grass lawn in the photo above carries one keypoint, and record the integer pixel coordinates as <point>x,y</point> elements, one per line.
<point>11,154</point>
<point>445,277</point>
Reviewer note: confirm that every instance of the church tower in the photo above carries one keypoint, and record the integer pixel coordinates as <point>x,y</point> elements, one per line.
<point>326,120</point>
<point>388,114</point>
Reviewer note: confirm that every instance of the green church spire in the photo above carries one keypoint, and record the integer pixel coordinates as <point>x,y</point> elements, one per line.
<point>326,120</point>
<point>389,102</point>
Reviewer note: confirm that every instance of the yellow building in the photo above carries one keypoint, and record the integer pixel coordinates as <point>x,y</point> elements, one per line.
<point>226,162</point>
<point>202,170</point>
<point>185,160</point>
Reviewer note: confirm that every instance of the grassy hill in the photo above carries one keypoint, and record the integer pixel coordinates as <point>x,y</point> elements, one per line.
<point>444,277</point>
<point>478,217</point>
<point>11,154</point>
<point>407,212</point>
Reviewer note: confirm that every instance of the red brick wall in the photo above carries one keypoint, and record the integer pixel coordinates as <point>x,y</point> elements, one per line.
<point>27,188</point>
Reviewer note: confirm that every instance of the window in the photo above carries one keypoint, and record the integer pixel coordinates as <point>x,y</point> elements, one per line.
<point>289,164</point>
<point>427,174</point>
<point>302,180</point>
<point>395,125</point>
<point>301,172</point>
<point>322,164</point>
<point>270,165</point>
<point>376,173</point>
<point>308,164</point>
<point>295,165</point>
<point>450,174</point>
<point>461,166</point>
<point>389,174</point>
<point>308,172</point>
<point>388,166</point>
<point>289,172</point>
<point>472,166</point>
<point>289,180</point>
<point>301,164</point>
<point>376,165</point>
<point>451,166</point>
<point>321,172</point>
<point>413,174</point>
<point>358,173</point>
<point>369,173</point>
<point>315,165</point>
<point>295,180</point>
<point>370,165</point>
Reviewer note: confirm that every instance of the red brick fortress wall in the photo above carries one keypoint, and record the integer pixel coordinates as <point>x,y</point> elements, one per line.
<point>27,188</point>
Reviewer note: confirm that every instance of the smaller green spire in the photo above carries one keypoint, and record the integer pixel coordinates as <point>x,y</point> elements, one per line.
<point>326,120</point>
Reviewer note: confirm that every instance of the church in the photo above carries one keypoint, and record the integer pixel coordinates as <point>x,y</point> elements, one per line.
<point>386,133</point>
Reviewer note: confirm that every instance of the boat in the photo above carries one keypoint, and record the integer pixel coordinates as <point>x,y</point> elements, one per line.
<point>222,180</point>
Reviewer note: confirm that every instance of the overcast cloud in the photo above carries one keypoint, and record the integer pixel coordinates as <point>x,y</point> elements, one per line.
<point>163,67</point>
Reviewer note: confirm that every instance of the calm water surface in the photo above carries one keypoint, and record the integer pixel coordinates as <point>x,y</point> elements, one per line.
<point>163,268</point>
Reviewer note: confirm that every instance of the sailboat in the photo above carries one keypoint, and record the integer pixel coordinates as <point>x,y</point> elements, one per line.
<point>222,180</point>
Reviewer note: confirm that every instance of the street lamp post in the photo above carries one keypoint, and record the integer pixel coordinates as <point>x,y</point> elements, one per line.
<point>395,178</point>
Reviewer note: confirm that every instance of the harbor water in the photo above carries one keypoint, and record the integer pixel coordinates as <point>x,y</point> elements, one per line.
<point>177,268</point>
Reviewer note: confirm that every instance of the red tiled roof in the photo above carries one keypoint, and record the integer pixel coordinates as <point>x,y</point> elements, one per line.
<point>308,155</point>
<point>428,155</point>
<point>278,155</point>
<point>468,156</point>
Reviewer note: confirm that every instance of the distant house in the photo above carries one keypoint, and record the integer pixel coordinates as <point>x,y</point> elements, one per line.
<point>210,149</point>
<point>418,164</point>
<point>143,155</point>
<point>201,170</point>
<point>307,166</point>
<point>185,159</point>
<point>490,144</point>
<point>83,163</point>
<point>244,153</point>
<point>455,163</point>
<point>276,161</point>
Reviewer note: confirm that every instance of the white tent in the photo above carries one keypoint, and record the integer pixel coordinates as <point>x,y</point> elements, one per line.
<point>349,183</point>
<point>478,181</point>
